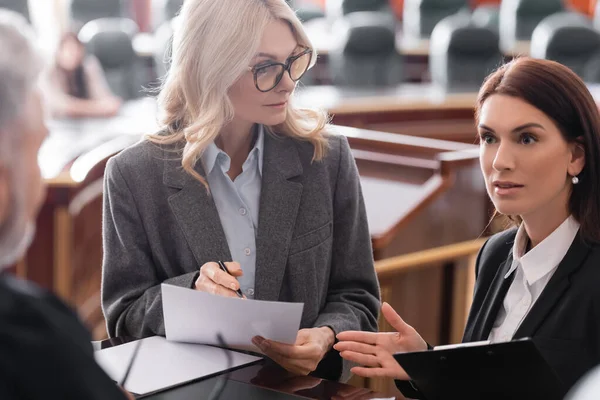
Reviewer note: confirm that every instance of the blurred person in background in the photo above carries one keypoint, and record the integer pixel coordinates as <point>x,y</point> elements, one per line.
<point>77,87</point>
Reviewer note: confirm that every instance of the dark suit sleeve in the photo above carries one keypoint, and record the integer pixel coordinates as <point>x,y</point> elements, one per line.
<point>408,388</point>
<point>353,292</point>
<point>47,353</point>
<point>478,260</point>
<point>131,291</point>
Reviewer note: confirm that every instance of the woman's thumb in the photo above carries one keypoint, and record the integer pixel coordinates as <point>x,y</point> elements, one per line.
<point>392,317</point>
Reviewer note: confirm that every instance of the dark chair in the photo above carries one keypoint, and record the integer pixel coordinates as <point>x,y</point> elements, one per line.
<point>518,18</point>
<point>172,8</point>
<point>350,6</point>
<point>367,54</point>
<point>568,38</point>
<point>163,40</point>
<point>308,13</point>
<point>110,40</point>
<point>20,6</point>
<point>486,16</point>
<point>421,16</point>
<point>84,11</point>
<point>462,54</point>
<point>336,9</point>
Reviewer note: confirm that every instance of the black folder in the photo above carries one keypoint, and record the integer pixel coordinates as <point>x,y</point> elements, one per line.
<point>513,370</point>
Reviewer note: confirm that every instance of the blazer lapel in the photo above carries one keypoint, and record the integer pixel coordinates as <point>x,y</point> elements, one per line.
<point>279,202</point>
<point>555,288</point>
<point>196,213</point>
<point>491,304</point>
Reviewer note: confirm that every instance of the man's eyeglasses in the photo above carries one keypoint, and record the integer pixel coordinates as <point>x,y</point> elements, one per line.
<point>267,76</point>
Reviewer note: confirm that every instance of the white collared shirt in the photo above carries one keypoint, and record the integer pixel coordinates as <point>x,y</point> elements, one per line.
<point>533,271</point>
<point>238,204</point>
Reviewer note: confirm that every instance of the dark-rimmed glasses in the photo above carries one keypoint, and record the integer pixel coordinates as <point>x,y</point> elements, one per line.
<point>267,76</point>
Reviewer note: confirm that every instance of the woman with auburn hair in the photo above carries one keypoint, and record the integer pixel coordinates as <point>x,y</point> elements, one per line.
<point>240,175</point>
<point>539,130</point>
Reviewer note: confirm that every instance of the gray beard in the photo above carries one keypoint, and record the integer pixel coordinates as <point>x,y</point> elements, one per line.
<point>16,246</point>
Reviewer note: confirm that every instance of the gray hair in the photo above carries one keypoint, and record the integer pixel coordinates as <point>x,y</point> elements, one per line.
<point>20,64</point>
<point>20,68</point>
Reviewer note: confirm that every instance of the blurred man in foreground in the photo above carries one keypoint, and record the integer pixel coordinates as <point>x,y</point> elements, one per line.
<point>45,351</point>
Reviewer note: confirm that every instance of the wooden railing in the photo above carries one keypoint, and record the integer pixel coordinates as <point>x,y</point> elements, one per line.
<point>457,261</point>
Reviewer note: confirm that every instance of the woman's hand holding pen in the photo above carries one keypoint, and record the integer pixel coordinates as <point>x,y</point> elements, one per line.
<point>375,351</point>
<point>214,280</point>
<point>304,356</point>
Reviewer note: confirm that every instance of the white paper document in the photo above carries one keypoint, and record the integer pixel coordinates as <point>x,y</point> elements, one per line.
<point>161,364</point>
<point>193,316</point>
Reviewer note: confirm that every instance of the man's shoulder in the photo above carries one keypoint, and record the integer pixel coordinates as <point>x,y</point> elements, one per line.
<point>27,308</point>
<point>46,352</point>
<point>19,296</point>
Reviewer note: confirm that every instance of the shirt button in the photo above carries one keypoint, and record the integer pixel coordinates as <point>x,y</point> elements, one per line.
<point>250,292</point>
<point>243,211</point>
<point>247,251</point>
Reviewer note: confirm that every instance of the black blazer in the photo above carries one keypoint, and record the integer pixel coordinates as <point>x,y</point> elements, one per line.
<point>45,351</point>
<point>565,320</point>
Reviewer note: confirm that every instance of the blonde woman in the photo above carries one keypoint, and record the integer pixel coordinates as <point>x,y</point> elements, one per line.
<point>241,176</point>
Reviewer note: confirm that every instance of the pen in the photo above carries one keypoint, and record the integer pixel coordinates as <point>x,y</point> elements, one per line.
<point>131,360</point>
<point>224,269</point>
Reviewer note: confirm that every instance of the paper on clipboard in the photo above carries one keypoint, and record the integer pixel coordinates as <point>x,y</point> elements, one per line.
<point>161,364</point>
<point>193,316</point>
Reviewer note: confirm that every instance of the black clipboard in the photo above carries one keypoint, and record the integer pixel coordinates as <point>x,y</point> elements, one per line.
<point>513,370</point>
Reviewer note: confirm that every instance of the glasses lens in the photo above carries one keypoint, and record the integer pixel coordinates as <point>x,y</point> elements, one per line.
<point>300,66</point>
<point>267,76</point>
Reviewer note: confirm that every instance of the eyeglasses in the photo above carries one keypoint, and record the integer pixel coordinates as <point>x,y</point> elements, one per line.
<point>267,76</point>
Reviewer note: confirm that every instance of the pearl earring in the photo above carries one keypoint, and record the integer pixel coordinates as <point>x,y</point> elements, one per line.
<point>575,180</point>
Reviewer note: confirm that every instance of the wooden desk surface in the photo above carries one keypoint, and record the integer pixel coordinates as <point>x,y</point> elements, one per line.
<point>401,174</point>
<point>404,97</point>
<point>388,202</point>
<point>70,138</point>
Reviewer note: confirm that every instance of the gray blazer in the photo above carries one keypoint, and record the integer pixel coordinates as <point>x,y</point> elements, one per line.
<point>313,243</point>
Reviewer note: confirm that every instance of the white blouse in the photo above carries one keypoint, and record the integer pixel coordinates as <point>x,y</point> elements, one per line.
<point>533,271</point>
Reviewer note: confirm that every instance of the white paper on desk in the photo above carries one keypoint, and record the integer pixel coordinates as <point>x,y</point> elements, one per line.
<point>193,316</point>
<point>161,364</point>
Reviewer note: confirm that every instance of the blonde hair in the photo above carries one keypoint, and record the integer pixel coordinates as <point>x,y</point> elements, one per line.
<point>213,44</point>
